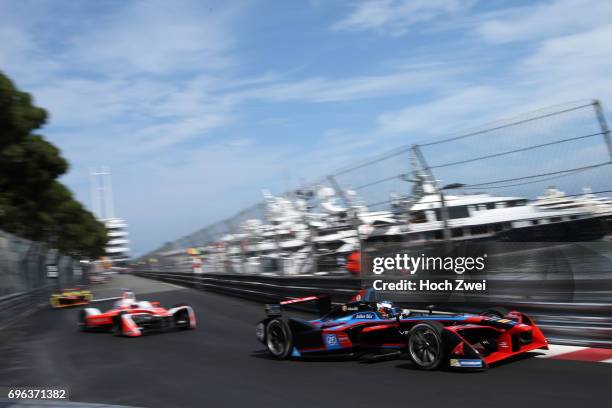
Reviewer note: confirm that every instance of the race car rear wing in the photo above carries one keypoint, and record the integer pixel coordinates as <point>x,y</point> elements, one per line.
<point>323,304</point>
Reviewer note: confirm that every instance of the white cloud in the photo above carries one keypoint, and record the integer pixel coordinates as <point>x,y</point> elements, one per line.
<point>566,61</point>
<point>396,17</point>
<point>585,54</point>
<point>156,37</point>
<point>445,115</point>
<point>321,90</point>
<point>542,20</point>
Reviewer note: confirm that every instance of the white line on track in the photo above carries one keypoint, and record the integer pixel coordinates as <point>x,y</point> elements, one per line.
<point>557,349</point>
<point>105,299</point>
<point>173,285</point>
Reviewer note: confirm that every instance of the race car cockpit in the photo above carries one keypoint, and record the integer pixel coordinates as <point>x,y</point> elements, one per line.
<point>128,299</point>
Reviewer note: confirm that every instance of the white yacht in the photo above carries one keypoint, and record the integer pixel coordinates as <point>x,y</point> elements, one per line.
<point>551,218</point>
<point>295,239</point>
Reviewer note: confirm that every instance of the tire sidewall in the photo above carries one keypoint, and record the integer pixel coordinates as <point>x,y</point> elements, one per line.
<point>436,329</point>
<point>282,324</point>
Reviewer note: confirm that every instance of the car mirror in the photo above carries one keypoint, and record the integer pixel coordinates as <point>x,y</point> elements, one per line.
<point>431,309</point>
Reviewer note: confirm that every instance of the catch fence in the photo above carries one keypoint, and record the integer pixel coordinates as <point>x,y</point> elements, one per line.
<point>29,272</point>
<point>566,146</point>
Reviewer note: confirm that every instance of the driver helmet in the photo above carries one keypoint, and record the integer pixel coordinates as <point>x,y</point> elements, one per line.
<point>385,308</point>
<point>128,299</point>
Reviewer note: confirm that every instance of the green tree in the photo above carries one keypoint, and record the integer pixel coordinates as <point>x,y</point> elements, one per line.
<point>33,204</point>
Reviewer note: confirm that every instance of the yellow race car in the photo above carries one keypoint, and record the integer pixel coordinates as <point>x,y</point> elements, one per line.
<point>70,297</point>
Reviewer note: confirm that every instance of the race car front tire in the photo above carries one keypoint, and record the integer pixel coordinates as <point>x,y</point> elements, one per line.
<point>117,325</point>
<point>181,319</point>
<point>279,339</point>
<point>425,345</point>
<point>83,321</point>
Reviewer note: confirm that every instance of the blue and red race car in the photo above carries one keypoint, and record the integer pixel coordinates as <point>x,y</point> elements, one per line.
<point>432,340</point>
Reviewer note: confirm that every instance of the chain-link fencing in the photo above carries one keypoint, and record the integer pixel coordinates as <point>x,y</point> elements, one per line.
<point>559,155</point>
<point>29,272</point>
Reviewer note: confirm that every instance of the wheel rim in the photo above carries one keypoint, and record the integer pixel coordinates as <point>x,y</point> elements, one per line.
<point>425,347</point>
<point>277,339</point>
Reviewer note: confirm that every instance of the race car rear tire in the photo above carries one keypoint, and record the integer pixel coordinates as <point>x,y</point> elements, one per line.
<point>279,339</point>
<point>496,312</point>
<point>425,345</point>
<point>54,301</point>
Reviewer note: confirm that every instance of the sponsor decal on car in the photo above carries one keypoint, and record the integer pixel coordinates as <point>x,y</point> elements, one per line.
<point>454,362</point>
<point>331,339</point>
<point>364,316</point>
<point>332,342</point>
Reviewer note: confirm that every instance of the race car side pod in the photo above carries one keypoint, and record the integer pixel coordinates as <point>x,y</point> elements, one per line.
<point>323,304</point>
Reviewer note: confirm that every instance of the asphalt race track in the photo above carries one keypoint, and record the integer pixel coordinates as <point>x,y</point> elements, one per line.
<point>221,364</point>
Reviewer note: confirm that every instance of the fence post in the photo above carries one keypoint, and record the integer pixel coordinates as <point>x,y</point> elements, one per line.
<point>443,208</point>
<point>603,124</point>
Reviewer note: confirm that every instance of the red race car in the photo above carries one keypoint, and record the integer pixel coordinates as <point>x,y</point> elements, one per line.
<point>132,318</point>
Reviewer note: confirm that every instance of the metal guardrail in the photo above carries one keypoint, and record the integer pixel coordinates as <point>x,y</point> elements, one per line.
<point>17,305</point>
<point>263,288</point>
<point>587,324</point>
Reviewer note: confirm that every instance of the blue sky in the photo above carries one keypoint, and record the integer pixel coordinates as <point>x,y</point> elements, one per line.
<point>197,106</point>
